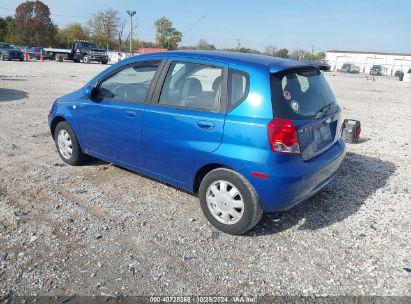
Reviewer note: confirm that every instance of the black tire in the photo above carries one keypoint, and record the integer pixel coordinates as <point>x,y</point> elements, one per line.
<point>253,209</point>
<point>77,156</point>
<point>104,62</point>
<point>86,58</point>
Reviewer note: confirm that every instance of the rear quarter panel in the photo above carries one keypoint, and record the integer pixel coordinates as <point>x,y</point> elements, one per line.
<point>244,142</point>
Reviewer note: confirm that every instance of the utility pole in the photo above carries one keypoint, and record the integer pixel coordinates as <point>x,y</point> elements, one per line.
<point>131,14</point>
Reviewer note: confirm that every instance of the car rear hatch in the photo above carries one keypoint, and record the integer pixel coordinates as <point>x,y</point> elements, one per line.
<point>303,96</point>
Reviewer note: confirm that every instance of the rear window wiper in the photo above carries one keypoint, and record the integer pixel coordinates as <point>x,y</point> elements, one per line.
<point>323,111</point>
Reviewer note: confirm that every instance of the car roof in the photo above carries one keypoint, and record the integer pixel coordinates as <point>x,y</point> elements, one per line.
<point>275,64</point>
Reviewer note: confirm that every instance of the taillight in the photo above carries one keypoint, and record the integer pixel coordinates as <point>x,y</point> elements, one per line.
<point>357,133</point>
<point>282,136</point>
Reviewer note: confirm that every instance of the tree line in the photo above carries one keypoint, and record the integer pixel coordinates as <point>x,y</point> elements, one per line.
<point>32,25</point>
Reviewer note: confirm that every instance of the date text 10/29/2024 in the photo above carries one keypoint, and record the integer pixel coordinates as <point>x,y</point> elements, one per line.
<point>202,299</point>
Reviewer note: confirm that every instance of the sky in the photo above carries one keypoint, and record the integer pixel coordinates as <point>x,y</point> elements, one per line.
<point>369,25</point>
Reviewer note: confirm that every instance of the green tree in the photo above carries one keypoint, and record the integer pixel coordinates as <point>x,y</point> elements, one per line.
<point>282,53</point>
<point>242,50</point>
<point>72,32</point>
<point>315,57</point>
<point>321,55</point>
<point>6,29</point>
<point>33,25</point>
<point>204,45</point>
<point>167,36</point>
<point>105,26</point>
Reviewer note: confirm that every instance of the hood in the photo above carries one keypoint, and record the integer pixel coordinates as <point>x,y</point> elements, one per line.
<point>97,50</point>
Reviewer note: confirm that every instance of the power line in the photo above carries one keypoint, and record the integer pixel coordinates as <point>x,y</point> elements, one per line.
<point>195,23</point>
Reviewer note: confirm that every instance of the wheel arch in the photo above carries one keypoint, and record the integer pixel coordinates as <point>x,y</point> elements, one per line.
<point>203,172</point>
<point>54,123</point>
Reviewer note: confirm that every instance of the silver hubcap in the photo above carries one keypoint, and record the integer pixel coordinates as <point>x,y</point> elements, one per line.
<point>64,143</point>
<point>225,202</point>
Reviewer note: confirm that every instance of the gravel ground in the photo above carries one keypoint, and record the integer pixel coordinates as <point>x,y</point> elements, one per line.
<point>102,230</point>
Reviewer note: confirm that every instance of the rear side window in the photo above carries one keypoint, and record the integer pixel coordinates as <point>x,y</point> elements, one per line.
<point>192,85</point>
<point>238,85</point>
<point>300,93</point>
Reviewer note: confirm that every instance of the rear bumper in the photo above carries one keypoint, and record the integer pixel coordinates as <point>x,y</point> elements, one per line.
<point>292,182</point>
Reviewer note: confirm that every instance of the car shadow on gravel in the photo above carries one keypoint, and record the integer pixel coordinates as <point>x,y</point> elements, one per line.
<point>359,178</point>
<point>12,94</point>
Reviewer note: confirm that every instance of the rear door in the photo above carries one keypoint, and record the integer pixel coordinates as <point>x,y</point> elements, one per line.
<point>185,120</point>
<point>304,96</point>
<point>111,123</point>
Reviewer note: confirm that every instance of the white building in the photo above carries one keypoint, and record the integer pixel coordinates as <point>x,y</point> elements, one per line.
<point>391,62</point>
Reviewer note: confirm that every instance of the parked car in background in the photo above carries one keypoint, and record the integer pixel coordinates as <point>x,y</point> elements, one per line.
<point>376,70</point>
<point>399,74</point>
<point>10,52</point>
<point>248,133</point>
<point>35,53</point>
<point>350,68</point>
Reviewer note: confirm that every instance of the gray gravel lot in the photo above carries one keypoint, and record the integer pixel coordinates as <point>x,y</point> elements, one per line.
<point>100,229</point>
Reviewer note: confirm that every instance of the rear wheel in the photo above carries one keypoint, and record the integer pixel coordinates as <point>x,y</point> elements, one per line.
<point>67,144</point>
<point>229,201</point>
<point>104,62</point>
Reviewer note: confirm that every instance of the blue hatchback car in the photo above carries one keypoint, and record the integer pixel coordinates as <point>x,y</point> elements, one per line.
<point>248,133</point>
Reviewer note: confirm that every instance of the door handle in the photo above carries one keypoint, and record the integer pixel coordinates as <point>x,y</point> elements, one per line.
<point>130,114</point>
<point>205,124</point>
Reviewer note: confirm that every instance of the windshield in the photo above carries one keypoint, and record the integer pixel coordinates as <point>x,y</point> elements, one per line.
<point>89,45</point>
<point>7,46</point>
<point>300,93</point>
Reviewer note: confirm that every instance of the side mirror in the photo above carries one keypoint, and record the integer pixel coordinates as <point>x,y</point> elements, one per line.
<point>90,92</point>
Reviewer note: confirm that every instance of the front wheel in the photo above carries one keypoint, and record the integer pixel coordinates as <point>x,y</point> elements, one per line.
<point>67,144</point>
<point>229,201</point>
<point>86,58</point>
<point>104,62</point>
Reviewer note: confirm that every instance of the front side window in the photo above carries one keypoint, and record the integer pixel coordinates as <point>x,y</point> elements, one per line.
<point>130,84</point>
<point>192,85</point>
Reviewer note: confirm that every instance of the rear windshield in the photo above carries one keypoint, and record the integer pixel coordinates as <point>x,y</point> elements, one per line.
<point>299,94</point>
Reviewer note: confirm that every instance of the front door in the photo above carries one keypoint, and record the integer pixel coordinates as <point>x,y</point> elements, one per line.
<point>111,123</point>
<point>185,120</point>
